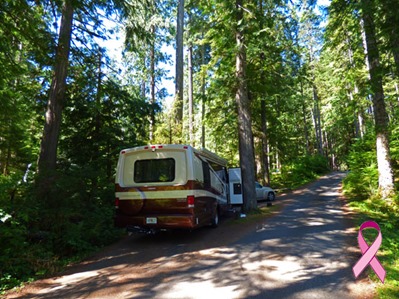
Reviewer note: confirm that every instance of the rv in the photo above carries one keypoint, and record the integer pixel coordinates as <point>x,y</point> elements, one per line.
<point>169,187</point>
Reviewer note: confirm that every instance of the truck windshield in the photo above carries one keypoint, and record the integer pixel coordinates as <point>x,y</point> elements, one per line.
<point>154,170</point>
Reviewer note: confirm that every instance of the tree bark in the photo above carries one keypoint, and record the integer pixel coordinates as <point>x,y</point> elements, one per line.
<point>152,70</point>
<point>179,62</point>
<point>305,126</point>
<point>247,162</point>
<point>385,174</point>
<point>203,99</point>
<point>317,121</point>
<point>265,153</point>
<point>48,149</point>
<point>190,96</point>
<point>358,118</point>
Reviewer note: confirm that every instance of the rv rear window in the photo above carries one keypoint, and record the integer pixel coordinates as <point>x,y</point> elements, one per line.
<point>154,170</point>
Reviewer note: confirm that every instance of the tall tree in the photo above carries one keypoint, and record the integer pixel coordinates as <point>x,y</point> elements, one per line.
<point>263,118</point>
<point>190,96</point>
<point>246,148</point>
<point>385,174</point>
<point>344,96</point>
<point>146,32</point>
<point>48,149</point>
<point>311,37</point>
<point>24,54</point>
<point>179,61</point>
<point>390,28</point>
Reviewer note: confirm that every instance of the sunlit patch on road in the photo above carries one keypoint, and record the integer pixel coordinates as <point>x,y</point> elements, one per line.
<point>203,289</point>
<point>67,280</point>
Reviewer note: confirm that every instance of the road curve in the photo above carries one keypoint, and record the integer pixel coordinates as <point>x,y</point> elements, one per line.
<point>306,250</point>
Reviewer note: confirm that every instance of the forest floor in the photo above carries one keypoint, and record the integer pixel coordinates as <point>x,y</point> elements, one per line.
<point>302,247</point>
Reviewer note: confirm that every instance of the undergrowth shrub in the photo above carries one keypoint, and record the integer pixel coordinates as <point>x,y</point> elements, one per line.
<point>362,179</point>
<point>386,214</point>
<point>361,189</point>
<point>300,171</point>
<point>39,236</point>
<point>14,246</point>
<point>82,219</point>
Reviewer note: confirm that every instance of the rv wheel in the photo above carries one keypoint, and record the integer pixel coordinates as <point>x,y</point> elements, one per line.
<point>215,218</point>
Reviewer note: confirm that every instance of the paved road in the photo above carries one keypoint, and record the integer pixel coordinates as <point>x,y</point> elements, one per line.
<point>304,251</point>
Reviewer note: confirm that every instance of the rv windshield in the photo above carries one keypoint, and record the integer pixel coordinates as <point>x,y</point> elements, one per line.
<point>154,170</point>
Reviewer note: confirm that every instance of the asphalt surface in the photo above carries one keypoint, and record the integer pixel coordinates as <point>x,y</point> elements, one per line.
<point>306,250</point>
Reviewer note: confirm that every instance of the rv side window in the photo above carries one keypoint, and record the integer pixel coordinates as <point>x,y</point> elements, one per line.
<point>154,170</point>
<point>207,174</point>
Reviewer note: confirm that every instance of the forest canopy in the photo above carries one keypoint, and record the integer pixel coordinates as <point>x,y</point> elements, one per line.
<point>295,88</point>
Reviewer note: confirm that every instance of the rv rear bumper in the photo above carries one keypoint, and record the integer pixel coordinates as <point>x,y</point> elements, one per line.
<point>156,221</point>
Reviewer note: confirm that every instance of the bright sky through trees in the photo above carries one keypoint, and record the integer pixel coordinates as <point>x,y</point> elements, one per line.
<point>115,45</point>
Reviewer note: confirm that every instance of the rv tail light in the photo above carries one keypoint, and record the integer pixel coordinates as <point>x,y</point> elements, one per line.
<point>116,203</point>
<point>190,201</point>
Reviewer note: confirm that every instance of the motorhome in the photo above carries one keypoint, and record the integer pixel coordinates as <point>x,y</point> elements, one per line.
<point>169,187</point>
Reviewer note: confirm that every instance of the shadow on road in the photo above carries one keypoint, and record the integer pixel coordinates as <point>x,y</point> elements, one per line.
<point>306,251</point>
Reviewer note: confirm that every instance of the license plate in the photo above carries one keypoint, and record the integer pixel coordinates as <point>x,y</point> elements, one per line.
<point>151,220</point>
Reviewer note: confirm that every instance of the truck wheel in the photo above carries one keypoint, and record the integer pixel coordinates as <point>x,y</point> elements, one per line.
<point>215,218</point>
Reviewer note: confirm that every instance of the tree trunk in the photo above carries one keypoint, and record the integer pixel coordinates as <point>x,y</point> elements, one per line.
<point>317,122</point>
<point>203,99</point>
<point>48,149</point>
<point>358,118</point>
<point>190,96</point>
<point>385,174</point>
<point>247,162</point>
<point>152,100</point>
<point>265,153</point>
<point>305,126</point>
<point>179,62</point>
<point>97,127</point>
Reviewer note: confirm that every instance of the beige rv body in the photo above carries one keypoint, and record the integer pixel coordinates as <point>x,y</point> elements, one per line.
<point>169,186</point>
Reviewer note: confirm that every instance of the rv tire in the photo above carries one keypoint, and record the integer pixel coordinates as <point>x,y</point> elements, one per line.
<point>215,217</point>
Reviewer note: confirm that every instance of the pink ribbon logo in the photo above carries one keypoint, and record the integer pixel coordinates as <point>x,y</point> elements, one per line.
<point>369,252</point>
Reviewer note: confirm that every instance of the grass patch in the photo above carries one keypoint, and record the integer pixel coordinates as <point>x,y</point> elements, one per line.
<point>387,216</point>
<point>361,189</point>
<point>258,214</point>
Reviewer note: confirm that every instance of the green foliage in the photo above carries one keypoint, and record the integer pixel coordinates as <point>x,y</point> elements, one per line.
<point>300,171</point>
<point>361,189</point>
<point>38,236</point>
<point>387,216</point>
<point>22,60</point>
<point>82,218</point>
<point>106,110</point>
<point>101,116</point>
<point>13,233</point>
<point>362,179</point>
